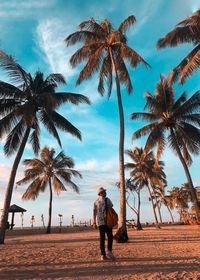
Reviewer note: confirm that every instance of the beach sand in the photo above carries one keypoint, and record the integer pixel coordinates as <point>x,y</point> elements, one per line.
<point>169,253</point>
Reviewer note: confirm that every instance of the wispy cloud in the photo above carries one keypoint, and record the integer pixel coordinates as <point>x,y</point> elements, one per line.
<point>50,37</point>
<point>23,8</point>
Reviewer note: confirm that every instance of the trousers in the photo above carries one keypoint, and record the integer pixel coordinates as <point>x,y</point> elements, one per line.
<point>103,230</point>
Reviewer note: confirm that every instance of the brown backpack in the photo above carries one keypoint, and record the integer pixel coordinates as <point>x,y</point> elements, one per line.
<point>111,216</point>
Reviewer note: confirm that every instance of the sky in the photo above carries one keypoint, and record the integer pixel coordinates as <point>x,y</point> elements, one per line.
<point>33,32</point>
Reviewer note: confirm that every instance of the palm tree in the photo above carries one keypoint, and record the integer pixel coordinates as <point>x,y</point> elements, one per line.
<point>172,121</point>
<point>163,199</point>
<point>131,187</point>
<point>180,199</point>
<point>186,31</point>
<point>50,170</point>
<point>146,172</point>
<point>105,50</point>
<point>23,104</point>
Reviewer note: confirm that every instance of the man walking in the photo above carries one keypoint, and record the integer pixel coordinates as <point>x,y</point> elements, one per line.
<point>99,219</point>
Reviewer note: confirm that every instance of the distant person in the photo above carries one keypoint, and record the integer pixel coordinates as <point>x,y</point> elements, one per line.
<point>99,219</point>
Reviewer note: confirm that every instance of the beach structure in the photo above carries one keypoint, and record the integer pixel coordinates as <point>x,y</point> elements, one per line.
<point>15,209</point>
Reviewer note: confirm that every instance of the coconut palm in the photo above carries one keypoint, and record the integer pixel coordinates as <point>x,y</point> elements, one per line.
<point>105,51</point>
<point>163,199</point>
<point>49,171</point>
<point>180,199</point>
<point>146,172</point>
<point>172,121</point>
<point>186,31</point>
<point>24,104</point>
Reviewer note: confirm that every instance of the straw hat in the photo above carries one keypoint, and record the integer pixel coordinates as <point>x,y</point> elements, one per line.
<point>99,190</point>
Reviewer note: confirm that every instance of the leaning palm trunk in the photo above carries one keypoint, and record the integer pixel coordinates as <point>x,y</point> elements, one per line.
<point>170,212</point>
<point>189,178</point>
<point>157,205</point>
<point>50,207</point>
<point>121,234</point>
<point>153,207</point>
<point>9,190</point>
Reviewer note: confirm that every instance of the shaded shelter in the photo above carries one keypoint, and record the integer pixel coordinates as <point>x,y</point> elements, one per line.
<point>15,209</point>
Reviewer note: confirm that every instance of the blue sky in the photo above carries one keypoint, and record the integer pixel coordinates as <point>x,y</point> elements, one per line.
<point>33,32</point>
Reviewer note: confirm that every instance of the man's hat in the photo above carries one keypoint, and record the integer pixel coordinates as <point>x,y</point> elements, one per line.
<point>99,190</point>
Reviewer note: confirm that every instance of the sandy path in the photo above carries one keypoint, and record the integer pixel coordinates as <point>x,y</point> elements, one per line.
<point>169,253</point>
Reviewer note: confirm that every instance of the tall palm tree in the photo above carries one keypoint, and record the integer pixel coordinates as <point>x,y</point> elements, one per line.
<point>105,51</point>
<point>186,31</point>
<point>50,170</point>
<point>146,172</point>
<point>172,121</point>
<point>25,103</point>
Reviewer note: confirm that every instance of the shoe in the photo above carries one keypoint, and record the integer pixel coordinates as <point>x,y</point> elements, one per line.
<point>103,258</point>
<point>110,255</point>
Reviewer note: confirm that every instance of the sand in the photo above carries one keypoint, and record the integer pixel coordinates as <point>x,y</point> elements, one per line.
<point>169,253</point>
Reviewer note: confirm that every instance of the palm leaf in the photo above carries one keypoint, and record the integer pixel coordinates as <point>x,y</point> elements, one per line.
<point>14,70</point>
<point>126,24</point>
<point>14,138</point>
<point>65,125</point>
<point>48,122</point>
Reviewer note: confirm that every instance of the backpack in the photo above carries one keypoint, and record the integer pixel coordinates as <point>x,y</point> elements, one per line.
<point>111,216</point>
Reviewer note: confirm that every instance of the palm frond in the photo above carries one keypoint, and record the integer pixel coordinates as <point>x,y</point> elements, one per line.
<point>123,74</point>
<point>7,123</point>
<point>132,56</point>
<point>84,53</point>
<point>192,105</point>
<point>179,101</point>
<point>144,116</point>
<point>74,98</point>
<point>93,26</point>
<point>8,90</point>
<point>181,71</point>
<point>80,36</point>
<point>13,69</point>
<point>46,119</point>
<point>179,35</point>
<point>126,24</point>
<point>156,136</point>
<point>56,79</point>
<point>144,130</point>
<point>65,125</point>
<point>34,138</point>
<point>33,190</point>
<point>58,185</point>
<point>92,66</point>
<point>14,138</point>
<point>105,74</point>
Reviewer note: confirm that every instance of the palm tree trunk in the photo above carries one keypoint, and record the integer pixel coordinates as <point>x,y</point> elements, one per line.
<point>153,207</point>
<point>189,178</point>
<point>121,235</point>
<point>50,207</point>
<point>9,189</point>
<point>139,226</point>
<point>170,212</point>
<point>159,213</point>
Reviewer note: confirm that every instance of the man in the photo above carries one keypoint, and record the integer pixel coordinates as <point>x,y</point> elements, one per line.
<point>99,219</point>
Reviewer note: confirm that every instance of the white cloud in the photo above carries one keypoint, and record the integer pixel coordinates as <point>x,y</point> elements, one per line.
<point>23,8</point>
<point>50,36</point>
